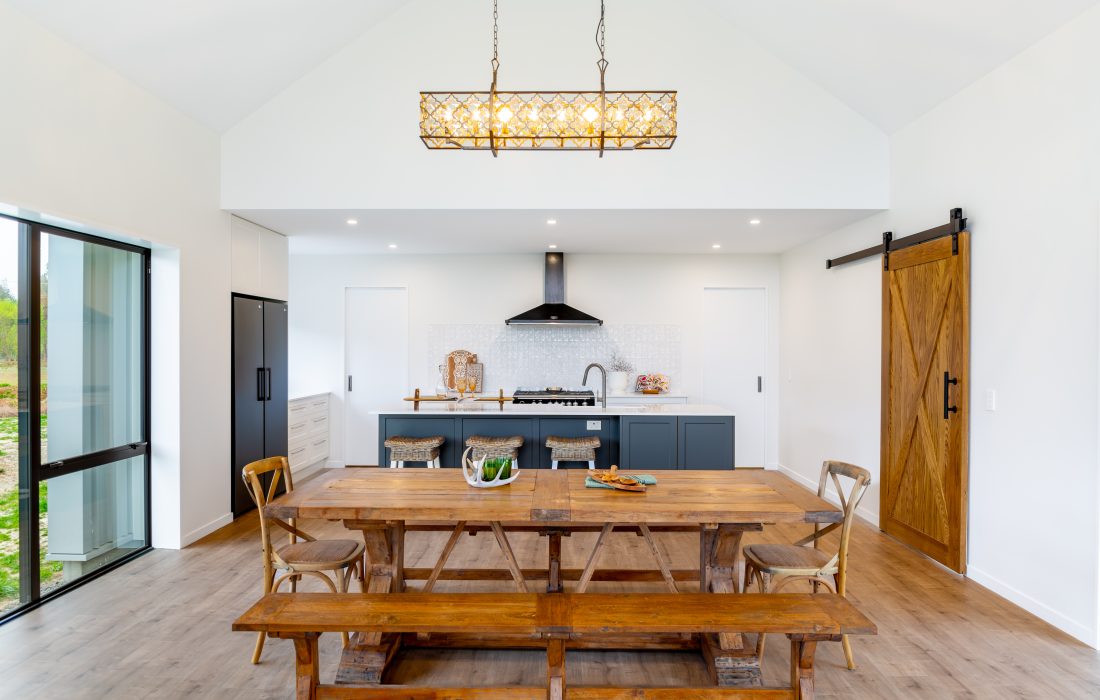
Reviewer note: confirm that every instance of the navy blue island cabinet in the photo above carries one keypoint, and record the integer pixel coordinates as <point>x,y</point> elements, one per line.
<point>635,442</point>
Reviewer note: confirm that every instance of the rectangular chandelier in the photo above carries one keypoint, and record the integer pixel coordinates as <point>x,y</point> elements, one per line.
<point>540,121</point>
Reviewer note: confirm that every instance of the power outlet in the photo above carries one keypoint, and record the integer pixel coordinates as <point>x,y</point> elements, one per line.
<point>595,425</point>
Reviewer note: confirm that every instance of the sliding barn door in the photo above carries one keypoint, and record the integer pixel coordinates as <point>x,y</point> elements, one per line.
<point>925,391</point>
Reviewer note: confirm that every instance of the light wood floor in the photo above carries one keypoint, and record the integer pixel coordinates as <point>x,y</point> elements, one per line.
<point>159,628</point>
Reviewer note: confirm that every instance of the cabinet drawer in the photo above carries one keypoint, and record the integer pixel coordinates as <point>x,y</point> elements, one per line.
<point>298,426</point>
<point>298,455</point>
<point>317,424</point>
<point>318,450</point>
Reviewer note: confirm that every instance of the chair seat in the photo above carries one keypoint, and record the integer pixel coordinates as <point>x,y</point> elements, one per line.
<point>423,443</point>
<point>588,442</point>
<point>495,443</point>
<point>789,559</point>
<point>320,553</point>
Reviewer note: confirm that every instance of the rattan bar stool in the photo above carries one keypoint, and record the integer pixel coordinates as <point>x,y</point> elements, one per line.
<point>414,449</point>
<point>566,449</point>
<point>490,447</point>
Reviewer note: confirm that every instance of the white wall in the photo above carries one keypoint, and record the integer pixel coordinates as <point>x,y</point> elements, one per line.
<point>81,143</point>
<point>620,289</point>
<point>1020,151</point>
<point>754,133</point>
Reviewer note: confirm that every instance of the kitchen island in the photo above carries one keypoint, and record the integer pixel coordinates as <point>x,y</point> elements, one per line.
<point>676,436</point>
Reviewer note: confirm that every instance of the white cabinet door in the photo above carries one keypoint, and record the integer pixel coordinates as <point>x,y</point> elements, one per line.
<point>245,255</point>
<point>734,364</point>
<point>376,326</point>
<point>274,264</point>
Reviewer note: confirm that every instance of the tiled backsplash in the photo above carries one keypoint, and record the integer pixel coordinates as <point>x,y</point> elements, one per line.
<point>556,356</point>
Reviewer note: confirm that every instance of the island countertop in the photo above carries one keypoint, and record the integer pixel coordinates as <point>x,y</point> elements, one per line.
<point>488,409</point>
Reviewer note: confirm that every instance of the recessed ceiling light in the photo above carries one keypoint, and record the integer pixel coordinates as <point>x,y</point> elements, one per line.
<point>754,222</point>
<point>716,246</point>
<point>551,221</point>
<point>552,246</point>
<point>352,222</point>
<point>393,245</point>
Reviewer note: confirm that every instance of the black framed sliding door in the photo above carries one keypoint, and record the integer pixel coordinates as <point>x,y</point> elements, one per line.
<point>74,409</point>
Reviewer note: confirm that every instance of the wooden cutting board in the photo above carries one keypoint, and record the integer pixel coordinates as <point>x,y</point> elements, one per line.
<point>456,366</point>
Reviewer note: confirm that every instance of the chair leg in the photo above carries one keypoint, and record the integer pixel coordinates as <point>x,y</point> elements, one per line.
<point>260,637</point>
<point>393,464</point>
<point>762,581</point>
<point>435,462</point>
<point>343,577</point>
<point>554,464</point>
<point>591,465</point>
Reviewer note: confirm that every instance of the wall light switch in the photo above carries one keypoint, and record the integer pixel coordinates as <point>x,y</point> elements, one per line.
<point>595,425</point>
<point>991,399</point>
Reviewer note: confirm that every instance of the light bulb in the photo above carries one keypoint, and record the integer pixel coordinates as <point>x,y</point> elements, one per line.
<point>648,115</point>
<point>533,115</point>
<point>504,114</point>
<point>561,115</point>
<point>590,114</point>
<point>449,114</point>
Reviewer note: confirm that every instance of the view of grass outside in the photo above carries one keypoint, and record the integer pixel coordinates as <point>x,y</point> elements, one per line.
<point>9,461</point>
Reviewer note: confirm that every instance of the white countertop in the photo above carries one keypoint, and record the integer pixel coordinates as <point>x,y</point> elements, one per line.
<point>491,408</point>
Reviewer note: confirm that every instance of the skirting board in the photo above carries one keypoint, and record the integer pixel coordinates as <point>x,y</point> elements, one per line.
<point>200,532</point>
<point>863,513</point>
<point>1040,610</point>
<point>1071,627</point>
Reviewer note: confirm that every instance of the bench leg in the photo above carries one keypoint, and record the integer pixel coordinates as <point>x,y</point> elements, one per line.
<point>306,666</point>
<point>555,671</point>
<point>802,668</point>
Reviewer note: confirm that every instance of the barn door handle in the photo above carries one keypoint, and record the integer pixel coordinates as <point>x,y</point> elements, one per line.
<point>947,381</point>
<point>349,382</point>
<point>759,385</point>
<point>267,371</point>
<point>259,383</point>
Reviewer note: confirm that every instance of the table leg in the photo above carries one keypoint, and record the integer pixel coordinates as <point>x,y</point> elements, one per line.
<point>365,659</point>
<point>731,663</point>
<point>554,585</point>
<point>510,556</point>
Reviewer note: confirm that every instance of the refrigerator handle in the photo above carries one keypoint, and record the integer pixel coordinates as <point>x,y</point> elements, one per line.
<point>267,370</point>
<point>259,383</point>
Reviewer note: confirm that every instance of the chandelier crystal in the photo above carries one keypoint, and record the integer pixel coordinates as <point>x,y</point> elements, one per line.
<point>549,121</point>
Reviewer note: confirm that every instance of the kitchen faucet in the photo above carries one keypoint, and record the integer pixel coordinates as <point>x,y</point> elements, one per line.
<point>603,374</point>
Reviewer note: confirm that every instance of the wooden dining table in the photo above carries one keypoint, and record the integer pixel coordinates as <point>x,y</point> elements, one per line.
<point>385,504</point>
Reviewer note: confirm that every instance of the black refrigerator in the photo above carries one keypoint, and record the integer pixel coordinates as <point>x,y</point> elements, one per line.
<point>259,388</point>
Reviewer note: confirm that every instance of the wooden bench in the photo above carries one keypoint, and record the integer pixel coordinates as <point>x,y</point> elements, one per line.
<point>557,622</point>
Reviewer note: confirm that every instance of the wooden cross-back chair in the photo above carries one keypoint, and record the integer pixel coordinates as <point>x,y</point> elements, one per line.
<point>785,563</point>
<point>308,557</point>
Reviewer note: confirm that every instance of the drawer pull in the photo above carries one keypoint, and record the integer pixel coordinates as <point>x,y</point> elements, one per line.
<point>297,408</point>
<point>319,443</point>
<point>322,419</point>
<point>300,449</point>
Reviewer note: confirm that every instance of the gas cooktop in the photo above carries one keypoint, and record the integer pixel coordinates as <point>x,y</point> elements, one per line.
<point>559,396</point>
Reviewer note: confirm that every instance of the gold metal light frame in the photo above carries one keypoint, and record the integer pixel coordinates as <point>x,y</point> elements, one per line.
<point>549,121</point>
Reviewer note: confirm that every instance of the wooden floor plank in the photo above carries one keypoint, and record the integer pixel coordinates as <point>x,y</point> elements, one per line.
<point>159,628</point>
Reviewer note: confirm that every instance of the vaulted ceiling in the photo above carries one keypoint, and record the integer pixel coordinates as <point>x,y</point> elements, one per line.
<point>220,60</point>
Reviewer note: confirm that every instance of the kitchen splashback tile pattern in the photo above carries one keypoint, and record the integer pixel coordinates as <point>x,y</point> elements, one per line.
<point>556,356</point>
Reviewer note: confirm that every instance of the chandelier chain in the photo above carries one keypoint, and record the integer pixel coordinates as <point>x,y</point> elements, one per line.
<point>601,42</point>
<point>496,40</point>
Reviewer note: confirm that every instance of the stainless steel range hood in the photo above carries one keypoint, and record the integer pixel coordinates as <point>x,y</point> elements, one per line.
<point>554,312</point>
